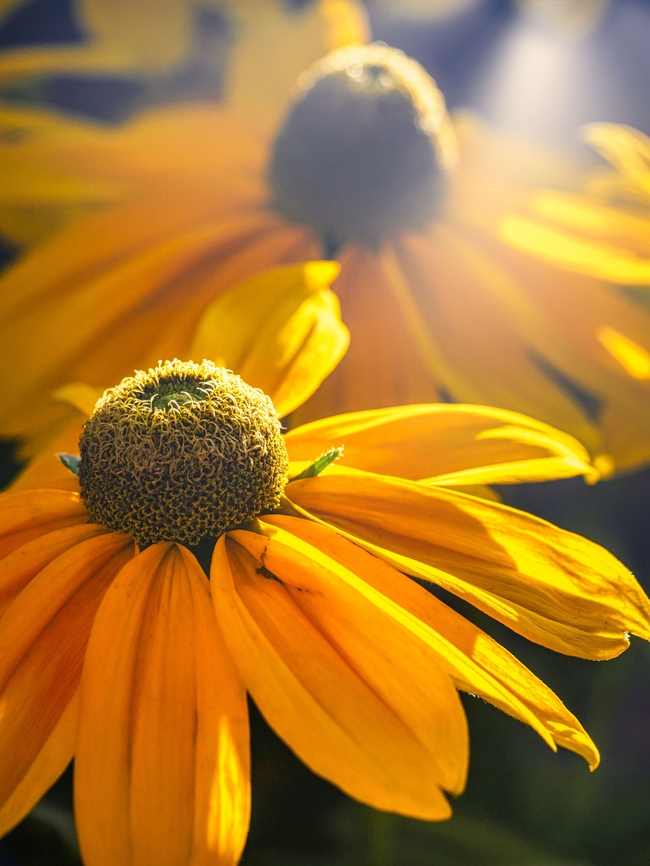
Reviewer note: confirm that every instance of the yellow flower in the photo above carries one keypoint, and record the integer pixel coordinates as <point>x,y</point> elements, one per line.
<point>116,648</point>
<point>437,305</point>
<point>594,234</point>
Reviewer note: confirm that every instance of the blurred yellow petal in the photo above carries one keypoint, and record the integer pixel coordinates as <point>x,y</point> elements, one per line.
<point>487,669</point>
<point>447,444</point>
<point>632,357</point>
<point>161,770</point>
<point>284,41</point>
<point>280,331</point>
<point>626,148</point>
<point>595,258</point>
<point>321,697</point>
<point>552,586</point>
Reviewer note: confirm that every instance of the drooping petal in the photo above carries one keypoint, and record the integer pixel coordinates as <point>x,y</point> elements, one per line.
<point>340,673</point>
<point>551,586</point>
<point>487,669</point>
<point>161,769</point>
<point>25,515</point>
<point>43,637</point>
<point>456,444</point>
<point>280,331</point>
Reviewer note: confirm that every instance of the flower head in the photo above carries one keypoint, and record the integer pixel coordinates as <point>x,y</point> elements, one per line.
<point>439,306</point>
<point>135,663</point>
<point>181,452</point>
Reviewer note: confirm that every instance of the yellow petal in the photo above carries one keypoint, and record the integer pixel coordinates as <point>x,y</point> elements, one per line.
<point>43,637</point>
<point>476,662</point>
<point>25,515</point>
<point>551,586</point>
<point>45,769</point>
<point>351,688</point>
<point>595,258</point>
<point>284,41</point>
<point>161,768</point>
<point>626,148</point>
<point>448,444</point>
<point>281,331</point>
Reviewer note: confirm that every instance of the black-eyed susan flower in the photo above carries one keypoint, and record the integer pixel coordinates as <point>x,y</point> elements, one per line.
<point>361,170</point>
<point>119,649</point>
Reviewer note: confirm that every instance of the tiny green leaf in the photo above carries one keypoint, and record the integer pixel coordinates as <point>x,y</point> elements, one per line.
<point>70,461</point>
<point>320,463</point>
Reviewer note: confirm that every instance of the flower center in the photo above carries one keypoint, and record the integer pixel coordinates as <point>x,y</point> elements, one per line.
<point>363,151</point>
<point>181,452</point>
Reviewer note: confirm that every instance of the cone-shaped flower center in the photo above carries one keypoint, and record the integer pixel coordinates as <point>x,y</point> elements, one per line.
<point>363,150</point>
<point>181,452</point>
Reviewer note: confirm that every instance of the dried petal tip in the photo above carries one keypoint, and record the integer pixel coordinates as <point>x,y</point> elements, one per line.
<point>181,452</point>
<point>363,150</point>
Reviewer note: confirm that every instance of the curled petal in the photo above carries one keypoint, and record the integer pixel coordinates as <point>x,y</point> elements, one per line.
<point>476,662</point>
<point>551,586</point>
<point>284,332</point>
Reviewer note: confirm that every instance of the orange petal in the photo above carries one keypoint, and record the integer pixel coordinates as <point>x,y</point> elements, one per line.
<point>29,514</point>
<point>551,586</point>
<point>477,663</point>
<point>161,769</point>
<point>43,637</point>
<point>46,469</point>
<point>23,564</point>
<point>355,693</point>
<point>45,769</point>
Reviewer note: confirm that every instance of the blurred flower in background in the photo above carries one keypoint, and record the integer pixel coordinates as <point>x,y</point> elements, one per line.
<point>364,168</point>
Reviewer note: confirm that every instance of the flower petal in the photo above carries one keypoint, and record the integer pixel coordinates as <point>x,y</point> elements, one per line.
<point>339,675</point>
<point>551,586</point>
<point>45,769</point>
<point>487,669</point>
<point>162,755</point>
<point>29,514</point>
<point>23,564</point>
<point>43,637</point>
<point>284,332</point>
<point>456,444</point>
<point>595,258</point>
<point>46,470</point>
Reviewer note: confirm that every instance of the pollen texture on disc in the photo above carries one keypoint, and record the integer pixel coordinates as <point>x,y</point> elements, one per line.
<point>181,452</point>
